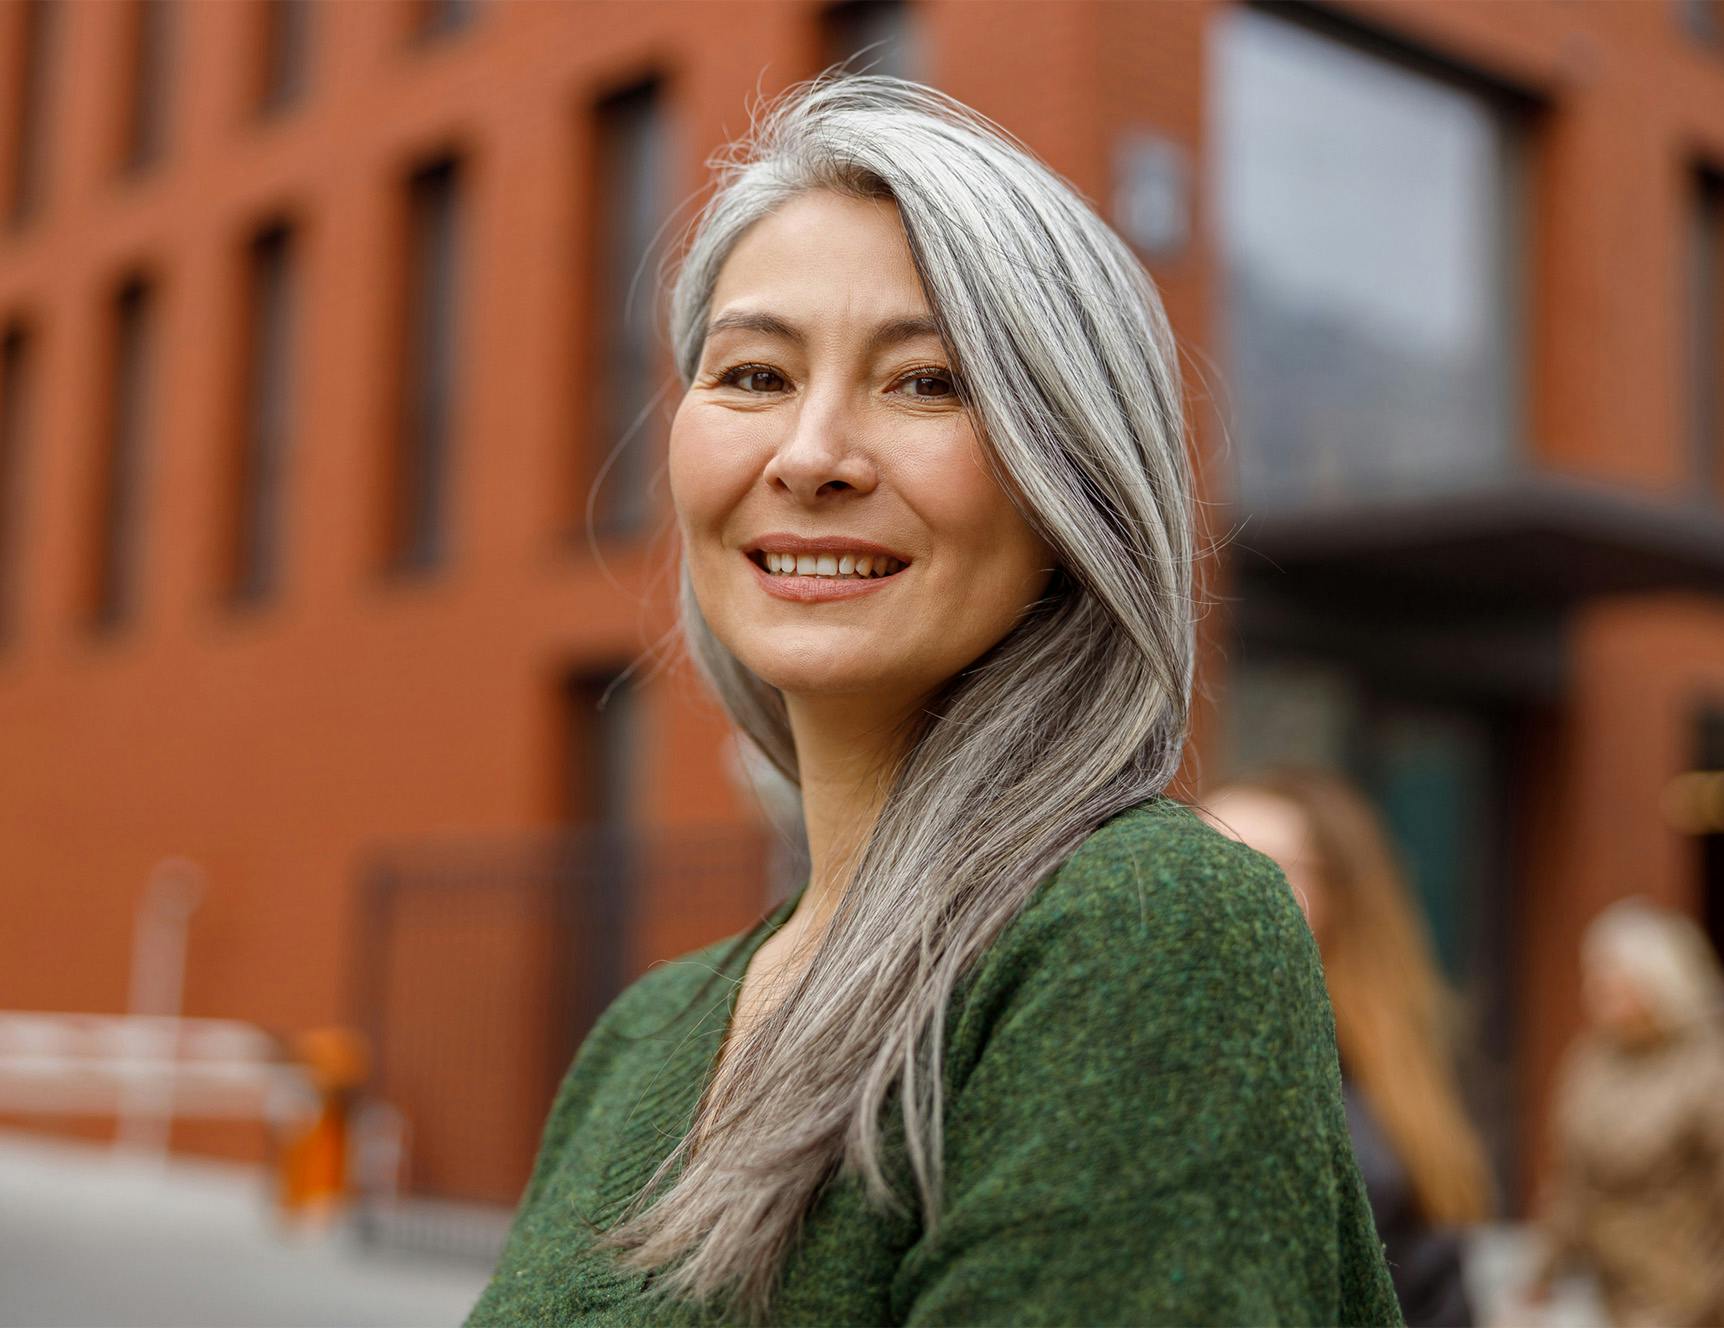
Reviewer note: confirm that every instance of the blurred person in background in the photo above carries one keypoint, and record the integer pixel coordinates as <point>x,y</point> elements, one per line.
<point>1424,1164</point>
<point>1033,1043</point>
<point>1637,1192</point>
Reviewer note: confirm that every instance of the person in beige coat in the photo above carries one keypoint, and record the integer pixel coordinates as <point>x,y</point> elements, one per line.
<point>1637,1194</point>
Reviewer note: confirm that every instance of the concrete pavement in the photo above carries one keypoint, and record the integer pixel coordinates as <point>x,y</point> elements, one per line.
<point>88,1240</point>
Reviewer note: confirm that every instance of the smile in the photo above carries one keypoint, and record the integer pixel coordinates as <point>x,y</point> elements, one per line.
<point>833,564</point>
<point>793,567</point>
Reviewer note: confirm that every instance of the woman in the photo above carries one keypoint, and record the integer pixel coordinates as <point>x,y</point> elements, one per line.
<point>1032,1044</point>
<point>1423,1164</point>
<point>1638,1190</point>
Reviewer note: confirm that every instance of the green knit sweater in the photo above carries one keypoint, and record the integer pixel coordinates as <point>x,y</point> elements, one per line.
<point>1143,1122</point>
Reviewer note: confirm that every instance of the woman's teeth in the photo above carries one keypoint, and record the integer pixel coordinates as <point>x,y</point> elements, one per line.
<point>829,564</point>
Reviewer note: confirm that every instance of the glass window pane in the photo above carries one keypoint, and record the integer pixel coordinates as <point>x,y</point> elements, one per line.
<point>286,43</point>
<point>1705,344</point>
<point>881,32</point>
<point>266,424</point>
<point>15,365</point>
<point>37,21</point>
<point>147,109</point>
<point>1704,19</point>
<point>1363,221</point>
<point>437,18</point>
<point>429,368</point>
<point>118,526</point>
<point>631,175</point>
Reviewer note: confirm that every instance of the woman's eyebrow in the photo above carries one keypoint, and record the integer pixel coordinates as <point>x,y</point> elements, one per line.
<point>888,333</point>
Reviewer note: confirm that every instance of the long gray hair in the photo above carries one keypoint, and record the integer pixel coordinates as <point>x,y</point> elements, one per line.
<point>1068,367</point>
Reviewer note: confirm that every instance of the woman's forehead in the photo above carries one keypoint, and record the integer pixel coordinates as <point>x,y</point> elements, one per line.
<point>889,332</point>
<point>822,254</point>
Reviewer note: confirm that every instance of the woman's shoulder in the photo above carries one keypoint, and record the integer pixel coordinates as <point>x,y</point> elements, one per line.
<point>1172,925</point>
<point>1156,874</point>
<point>1170,838</point>
<point>1144,1063</point>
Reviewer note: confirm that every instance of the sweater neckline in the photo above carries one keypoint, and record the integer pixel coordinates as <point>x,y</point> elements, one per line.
<point>665,1104</point>
<point>763,932</point>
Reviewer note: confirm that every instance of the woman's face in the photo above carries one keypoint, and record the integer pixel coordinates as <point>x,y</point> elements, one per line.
<point>842,531</point>
<point>1278,829</point>
<point>1615,1004</point>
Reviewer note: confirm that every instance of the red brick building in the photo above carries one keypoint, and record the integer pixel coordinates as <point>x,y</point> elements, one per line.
<point>317,329</point>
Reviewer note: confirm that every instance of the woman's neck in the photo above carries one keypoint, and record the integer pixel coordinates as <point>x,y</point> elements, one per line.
<point>846,753</point>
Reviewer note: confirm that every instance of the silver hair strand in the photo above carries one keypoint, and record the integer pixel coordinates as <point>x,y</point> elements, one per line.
<point>1071,374</point>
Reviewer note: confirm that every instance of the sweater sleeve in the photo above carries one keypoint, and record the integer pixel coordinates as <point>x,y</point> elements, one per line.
<point>1148,1127</point>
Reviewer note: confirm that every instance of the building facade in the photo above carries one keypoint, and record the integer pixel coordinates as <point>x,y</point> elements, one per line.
<point>332,408</point>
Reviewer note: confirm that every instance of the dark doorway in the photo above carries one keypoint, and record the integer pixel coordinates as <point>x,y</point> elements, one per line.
<point>1709,757</point>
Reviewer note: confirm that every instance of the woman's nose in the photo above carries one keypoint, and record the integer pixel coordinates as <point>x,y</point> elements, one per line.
<point>823,453</point>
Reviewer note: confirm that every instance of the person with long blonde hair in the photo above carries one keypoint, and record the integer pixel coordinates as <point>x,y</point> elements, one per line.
<point>1395,1022</point>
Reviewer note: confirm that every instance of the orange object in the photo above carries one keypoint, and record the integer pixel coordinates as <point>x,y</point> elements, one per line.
<point>313,1164</point>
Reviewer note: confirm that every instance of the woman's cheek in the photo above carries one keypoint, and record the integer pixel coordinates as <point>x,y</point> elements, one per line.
<point>967,509</point>
<point>701,479</point>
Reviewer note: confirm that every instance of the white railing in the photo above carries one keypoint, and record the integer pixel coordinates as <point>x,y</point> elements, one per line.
<point>148,1068</point>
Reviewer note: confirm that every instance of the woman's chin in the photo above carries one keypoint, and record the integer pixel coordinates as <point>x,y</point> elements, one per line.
<point>817,684</point>
<point>817,677</point>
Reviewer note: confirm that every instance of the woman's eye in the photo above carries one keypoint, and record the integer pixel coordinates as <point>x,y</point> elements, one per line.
<point>749,378</point>
<point>940,385</point>
<point>934,385</point>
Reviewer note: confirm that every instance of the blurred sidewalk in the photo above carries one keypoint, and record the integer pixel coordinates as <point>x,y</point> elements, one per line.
<point>91,1241</point>
<point>1499,1260</point>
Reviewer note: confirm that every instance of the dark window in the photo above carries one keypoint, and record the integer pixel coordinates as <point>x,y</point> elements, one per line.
<point>286,43</point>
<point>880,33</point>
<point>1368,218</point>
<point>15,408</point>
<point>36,20</point>
<point>265,419</point>
<point>146,127</point>
<point>418,531</point>
<point>1709,827</point>
<point>437,18</point>
<point>119,506</point>
<point>1705,287</point>
<point>1704,19</point>
<point>599,750</point>
<point>630,205</point>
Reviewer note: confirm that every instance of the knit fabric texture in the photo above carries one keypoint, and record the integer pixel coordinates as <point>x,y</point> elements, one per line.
<point>1143,1122</point>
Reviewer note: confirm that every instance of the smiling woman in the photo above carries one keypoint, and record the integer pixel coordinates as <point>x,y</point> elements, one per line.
<point>825,421</point>
<point>1033,1043</point>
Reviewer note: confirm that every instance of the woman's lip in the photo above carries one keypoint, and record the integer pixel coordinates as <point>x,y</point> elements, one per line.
<point>814,589</point>
<point>780,542</point>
